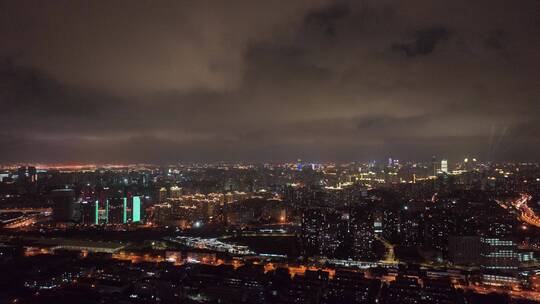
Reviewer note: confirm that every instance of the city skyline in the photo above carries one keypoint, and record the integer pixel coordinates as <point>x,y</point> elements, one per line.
<point>125,82</point>
<point>270,152</point>
<point>387,232</point>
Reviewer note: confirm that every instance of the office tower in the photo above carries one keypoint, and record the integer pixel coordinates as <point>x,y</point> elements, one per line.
<point>464,250</point>
<point>502,260</point>
<point>444,166</point>
<point>136,209</point>
<point>63,205</point>
<point>499,253</point>
<point>97,214</point>
<point>132,209</point>
<point>90,212</point>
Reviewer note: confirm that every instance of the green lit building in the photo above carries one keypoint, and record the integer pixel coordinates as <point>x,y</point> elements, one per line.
<point>114,210</point>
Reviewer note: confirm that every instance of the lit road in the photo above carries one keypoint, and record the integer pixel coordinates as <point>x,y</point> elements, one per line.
<point>525,213</point>
<point>390,256</point>
<point>29,217</point>
<point>515,293</point>
<point>26,210</point>
<point>21,222</point>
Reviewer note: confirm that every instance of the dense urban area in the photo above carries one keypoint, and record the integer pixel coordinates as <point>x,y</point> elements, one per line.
<point>381,232</point>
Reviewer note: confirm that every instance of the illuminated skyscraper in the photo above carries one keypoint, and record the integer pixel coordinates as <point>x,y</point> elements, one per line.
<point>444,166</point>
<point>97,212</point>
<point>136,209</point>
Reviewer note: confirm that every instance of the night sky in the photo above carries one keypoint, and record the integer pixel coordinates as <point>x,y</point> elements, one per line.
<point>165,81</point>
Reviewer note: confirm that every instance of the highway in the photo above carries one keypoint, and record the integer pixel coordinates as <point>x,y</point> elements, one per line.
<point>525,213</point>
<point>26,210</point>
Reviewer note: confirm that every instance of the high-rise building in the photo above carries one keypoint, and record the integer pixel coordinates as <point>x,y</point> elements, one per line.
<point>90,212</point>
<point>436,165</point>
<point>313,221</point>
<point>63,205</point>
<point>162,214</point>
<point>322,231</point>
<point>136,209</point>
<point>464,250</point>
<point>116,210</point>
<point>499,253</point>
<point>390,224</point>
<point>132,209</point>
<point>362,227</point>
<point>27,175</point>
<point>162,194</point>
<point>412,228</point>
<point>176,192</point>
<point>444,166</point>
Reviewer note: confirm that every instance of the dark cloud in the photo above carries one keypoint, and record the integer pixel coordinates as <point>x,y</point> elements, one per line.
<point>496,40</point>
<point>320,80</point>
<point>424,41</point>
<point>325,19</point>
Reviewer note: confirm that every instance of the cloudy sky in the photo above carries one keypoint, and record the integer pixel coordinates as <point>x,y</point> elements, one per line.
<point>165,81</point>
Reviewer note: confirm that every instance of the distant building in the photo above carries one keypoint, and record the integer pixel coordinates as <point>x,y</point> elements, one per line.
<point>116,210</point>
<point>162,214</point>
<point>113,210</point>
<point>499,253</point>
<point>403,290</point>
<point>491,253</point>
<point>89,212</point>
<point>463,250</point>
<point>444,166</point>
<point>176,192</point>
<point>412,228</point>
<point>27,175</point>
<point>162,195</point>
<point>362,227</point>
<point>313,221</point>
<point>64,205</point>
<point>136,210</point>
